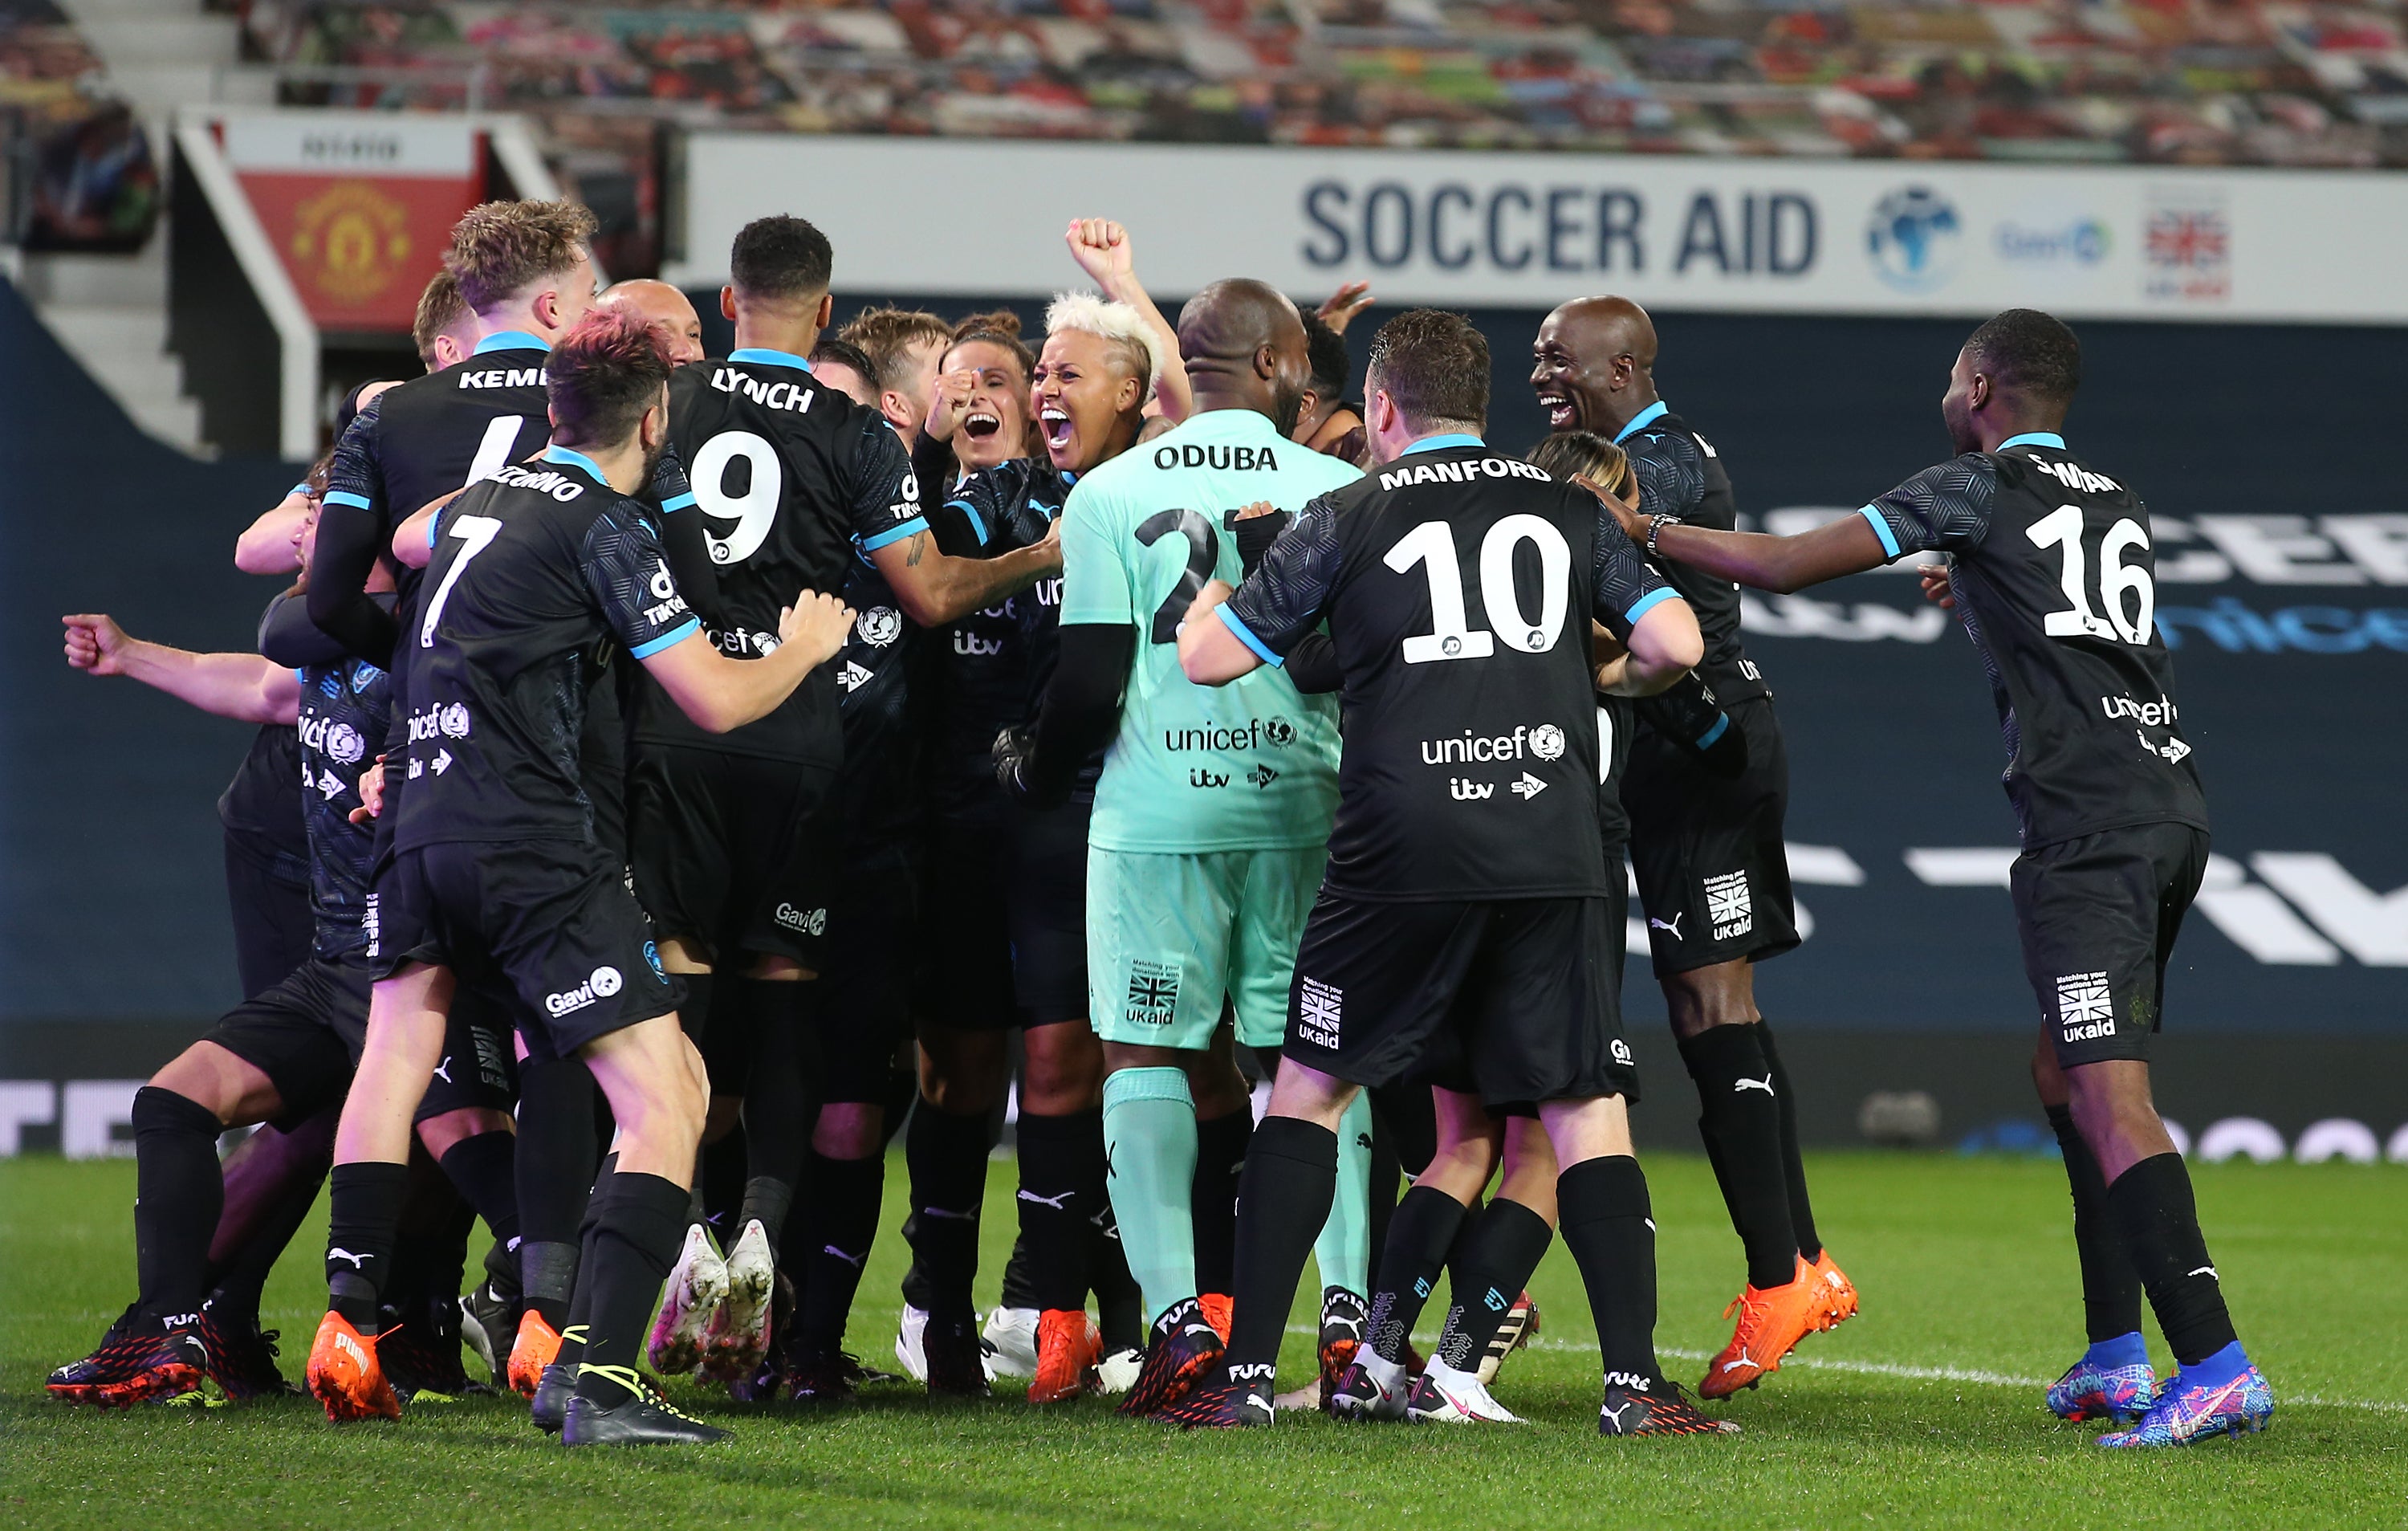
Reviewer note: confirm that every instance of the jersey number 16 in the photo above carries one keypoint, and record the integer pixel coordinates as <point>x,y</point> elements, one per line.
<point>2117,580</point>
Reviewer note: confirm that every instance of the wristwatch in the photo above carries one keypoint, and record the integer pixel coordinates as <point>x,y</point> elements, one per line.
<point>1656,525</point>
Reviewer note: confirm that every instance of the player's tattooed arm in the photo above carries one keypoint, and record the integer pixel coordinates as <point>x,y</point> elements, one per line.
<point>245,687</point>
<point>935,589</point>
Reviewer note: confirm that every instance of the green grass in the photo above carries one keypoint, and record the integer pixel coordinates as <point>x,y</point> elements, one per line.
<point>1965,1265</point>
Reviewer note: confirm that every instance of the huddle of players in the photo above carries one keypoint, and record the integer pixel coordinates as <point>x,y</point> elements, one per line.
<point>1098,881</point>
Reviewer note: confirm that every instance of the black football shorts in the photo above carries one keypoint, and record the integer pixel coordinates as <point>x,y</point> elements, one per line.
<point>477,1067</point>
<point>551,917</point>
<point>304,1034</point>
<point>732,851</point>
<point>2098,915</point>
<point>1046,914</point>
<point>963,976</point>
<point>1708,853</point>
<point>1522,996</point>
<point>865,1009</point>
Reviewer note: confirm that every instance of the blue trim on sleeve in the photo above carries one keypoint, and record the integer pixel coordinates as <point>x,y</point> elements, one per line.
<point>763,355</point>
<point>1881,528</point>
<point>1721,727</point>
<point>1645,417</point>
<point>1648,603</point>
<point>677,635</point>
<point>344,497</point>
<point>676,502</point>
<point>1230,620</point>
<point>1443,440</point>
<point>896,534</point>
<point>571,459</point>
<point>300,488</point>
<point>2034,437</point>
<point>435,525</point>
<point>978,523</point>
<point>300,674</point>
<point>510,339</point>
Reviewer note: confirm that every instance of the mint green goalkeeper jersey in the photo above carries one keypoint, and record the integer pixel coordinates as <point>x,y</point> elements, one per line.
<point>1248,766</point>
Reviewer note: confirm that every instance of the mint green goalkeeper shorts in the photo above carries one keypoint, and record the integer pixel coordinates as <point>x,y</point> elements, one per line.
<point>1168,936</point>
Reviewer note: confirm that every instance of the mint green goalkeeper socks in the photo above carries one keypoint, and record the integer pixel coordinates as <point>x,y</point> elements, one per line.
<point>1149,1168</point>
<point>1343,1250</point>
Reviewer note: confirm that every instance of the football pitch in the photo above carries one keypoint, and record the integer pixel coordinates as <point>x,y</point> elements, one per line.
<point>1925,1410</point>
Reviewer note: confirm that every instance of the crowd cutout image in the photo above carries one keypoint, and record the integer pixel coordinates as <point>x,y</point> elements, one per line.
<point>678,777</point>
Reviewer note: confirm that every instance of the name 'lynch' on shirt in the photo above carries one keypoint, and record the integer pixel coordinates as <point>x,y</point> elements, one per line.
<point>780,395</point>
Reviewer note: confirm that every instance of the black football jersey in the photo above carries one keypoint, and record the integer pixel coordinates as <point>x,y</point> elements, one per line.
<point>421,440</point>
<point>995,663</point>
<point>345,710</point>
<point>1680,474</point>
<point>1458,585</point>
<point>883,683</point>
<point>536,572</point>
<point>1615,718</point>
<point>2056,582</point>
<point>792,479</point>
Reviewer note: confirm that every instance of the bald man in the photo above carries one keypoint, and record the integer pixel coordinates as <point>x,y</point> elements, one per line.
<point>1206,843</point>
<point>667,306</point>
<point>1706,827</point>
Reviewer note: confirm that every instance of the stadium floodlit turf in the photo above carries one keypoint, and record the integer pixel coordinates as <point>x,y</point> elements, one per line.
<point>1923,1411</point>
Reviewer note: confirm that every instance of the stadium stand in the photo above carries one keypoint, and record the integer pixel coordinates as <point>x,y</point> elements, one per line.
<point>77,171</point>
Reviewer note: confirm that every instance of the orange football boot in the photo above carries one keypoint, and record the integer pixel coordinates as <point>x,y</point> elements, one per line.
<point>1216,1306</point>
<point>1770,1324</point>
<point>1068,1349</point>
<point>1838,1293</point>
<point>345,1376</point>
<point>538,1342</point>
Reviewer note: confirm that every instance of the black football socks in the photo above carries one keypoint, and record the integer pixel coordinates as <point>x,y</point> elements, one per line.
<point>576,1323</point>
<point>1506,1245</point>
<point>2159,1222</point>
<point>1290,1179</point>
<point>947,1158</point>
<point>777,1115</point>
<point>1420,1234</point>
<point>636,1241</point>
<point>1220,1161</point>
<point>1801,1207</point>
<point>363,1214</point>
<point>179,1195</point>
<point>271,1183</point>
<point>841,1220</point>
<point>1061,1187</point>
<point>2110,1288</point>
<point>1740,1119</point>
<point>1607,1226</point>
<point>554,1167</point>
<point>483,1170</point>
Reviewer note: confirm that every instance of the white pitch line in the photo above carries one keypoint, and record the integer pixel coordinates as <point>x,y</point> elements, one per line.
<point>1911,1373</point>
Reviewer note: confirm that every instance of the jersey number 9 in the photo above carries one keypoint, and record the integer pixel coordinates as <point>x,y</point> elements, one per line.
<point>1431,545</point>
<point>752,510</point>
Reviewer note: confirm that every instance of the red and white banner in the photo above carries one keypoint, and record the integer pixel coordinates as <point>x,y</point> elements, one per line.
<point>358,211</point>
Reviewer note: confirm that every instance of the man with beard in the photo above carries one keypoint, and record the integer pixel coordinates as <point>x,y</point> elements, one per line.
<point>1212,807</point>
<point>497,867</point>
<point>1707,848</point>
<point>731,837</point>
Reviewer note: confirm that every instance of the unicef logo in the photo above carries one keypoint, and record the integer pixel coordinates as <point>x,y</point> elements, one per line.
<point>344,744</point>
<point>1279,730</point>
<point>879,625</point>
<point>454,720</point>
<point>1547,742</point>
<point>605,981</point>
<point>1916,238</point>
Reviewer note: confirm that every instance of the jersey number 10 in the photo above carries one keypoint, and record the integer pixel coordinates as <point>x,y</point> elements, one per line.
<point>2117,580</point>
<point>1431,545</point>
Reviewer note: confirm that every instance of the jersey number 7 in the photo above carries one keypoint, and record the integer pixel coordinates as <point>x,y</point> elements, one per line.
<point>479,532</point>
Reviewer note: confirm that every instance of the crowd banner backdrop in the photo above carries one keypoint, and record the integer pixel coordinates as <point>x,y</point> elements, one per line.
<point>358,209</point>
<point>1520,229</point>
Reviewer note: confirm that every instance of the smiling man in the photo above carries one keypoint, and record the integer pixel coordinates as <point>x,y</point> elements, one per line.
<point>1707,846</point>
